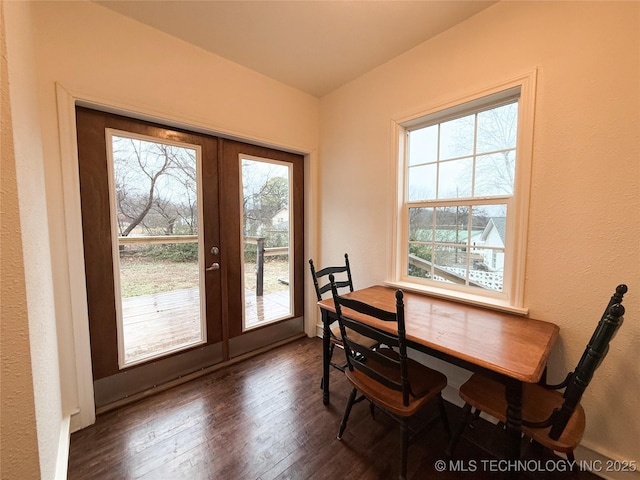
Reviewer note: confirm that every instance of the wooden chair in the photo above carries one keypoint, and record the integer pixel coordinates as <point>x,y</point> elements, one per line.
<point>552,419</point>
<point>385,376</point>
<point>322,286</point>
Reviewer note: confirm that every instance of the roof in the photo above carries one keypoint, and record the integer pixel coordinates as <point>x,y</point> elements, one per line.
<point>500,224</point>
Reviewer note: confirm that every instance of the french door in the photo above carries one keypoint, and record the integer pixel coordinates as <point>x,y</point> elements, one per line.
<point>193,249</point>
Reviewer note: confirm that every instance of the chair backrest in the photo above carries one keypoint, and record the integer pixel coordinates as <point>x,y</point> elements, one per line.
<point>595,352</point>
<point>615,298</point>
<point>382,365</point>
<point>321,277</point>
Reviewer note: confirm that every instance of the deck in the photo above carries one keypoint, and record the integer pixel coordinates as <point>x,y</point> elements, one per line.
<point>170,320</point>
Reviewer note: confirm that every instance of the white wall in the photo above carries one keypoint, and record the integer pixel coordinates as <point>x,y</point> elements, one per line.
<point>31,401</point>
<point>585,201</point>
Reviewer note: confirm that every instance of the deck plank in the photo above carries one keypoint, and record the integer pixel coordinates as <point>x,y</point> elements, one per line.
<point>169,320</point>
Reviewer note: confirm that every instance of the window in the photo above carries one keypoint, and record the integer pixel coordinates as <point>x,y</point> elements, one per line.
<point>463,198</point>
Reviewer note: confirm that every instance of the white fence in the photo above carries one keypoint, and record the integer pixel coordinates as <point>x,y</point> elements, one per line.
<point>488,280</point>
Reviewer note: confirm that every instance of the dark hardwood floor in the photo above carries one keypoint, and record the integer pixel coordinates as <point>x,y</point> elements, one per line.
<point>264,419</point>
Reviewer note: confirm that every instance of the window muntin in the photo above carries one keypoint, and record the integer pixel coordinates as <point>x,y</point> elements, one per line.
<point>460,188</point>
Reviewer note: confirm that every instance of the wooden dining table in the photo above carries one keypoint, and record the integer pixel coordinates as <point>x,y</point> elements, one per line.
<point>510,348</point>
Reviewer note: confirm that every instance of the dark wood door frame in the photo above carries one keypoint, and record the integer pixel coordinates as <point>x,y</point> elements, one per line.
<point>106,374</point>
<point>230,217</point>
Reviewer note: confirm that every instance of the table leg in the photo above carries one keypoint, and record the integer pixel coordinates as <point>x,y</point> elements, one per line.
<point>514,423</point>
<point>326,345</point>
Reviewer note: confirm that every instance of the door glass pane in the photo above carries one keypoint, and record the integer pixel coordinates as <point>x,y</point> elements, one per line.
<point>154,188</point>
<point>266,222</point>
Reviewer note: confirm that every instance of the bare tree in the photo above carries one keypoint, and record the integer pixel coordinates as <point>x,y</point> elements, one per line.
<point>140,168</point>
<point>266,192</point>
<point>152,172</point>
<point>496,132</point>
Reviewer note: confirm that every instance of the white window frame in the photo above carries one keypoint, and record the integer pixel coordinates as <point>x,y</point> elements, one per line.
<point>116,242</point>
<point>292,286</point>
<point>512,297</point>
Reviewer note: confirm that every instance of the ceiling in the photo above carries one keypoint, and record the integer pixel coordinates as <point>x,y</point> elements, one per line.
<point>314,46</point>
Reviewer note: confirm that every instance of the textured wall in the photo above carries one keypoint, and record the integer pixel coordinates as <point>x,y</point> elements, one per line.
<point>584,224</point>
<point>33,236</point>
<point>19,447</point>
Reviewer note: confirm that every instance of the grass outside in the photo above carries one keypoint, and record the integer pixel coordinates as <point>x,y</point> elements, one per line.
<point>272,272</point>
<point>146,276</point>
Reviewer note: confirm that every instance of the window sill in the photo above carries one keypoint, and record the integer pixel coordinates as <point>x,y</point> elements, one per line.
<point>466,298</point>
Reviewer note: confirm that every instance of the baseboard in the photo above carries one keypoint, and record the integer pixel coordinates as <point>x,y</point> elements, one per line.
<point>62,461</point>
<point>77,423</point>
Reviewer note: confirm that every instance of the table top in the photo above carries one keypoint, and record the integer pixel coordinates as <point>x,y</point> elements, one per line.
<point>508,344</point>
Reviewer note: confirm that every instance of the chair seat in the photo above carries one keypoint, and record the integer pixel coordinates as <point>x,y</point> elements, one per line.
<point>361,339</point>
<point>488,395</point>
<point>425,384</point>
<point>544,404</point>
<point>384,375</point>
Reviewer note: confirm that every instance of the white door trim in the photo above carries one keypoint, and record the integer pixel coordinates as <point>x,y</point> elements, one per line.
<point>84,414</point>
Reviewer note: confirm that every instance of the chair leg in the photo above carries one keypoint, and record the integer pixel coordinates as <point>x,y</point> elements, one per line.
<point>331,347</point>
<point>476,415</point>
<point>404,430</point>
<point>329,360</point>
<point>443,416</point>
<point>466,414</point>
<point>536,447</point>
<point>571,457</point>
<point>347,411</point>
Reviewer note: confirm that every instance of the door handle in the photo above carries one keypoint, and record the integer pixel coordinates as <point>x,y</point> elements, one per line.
<point>214,266</point>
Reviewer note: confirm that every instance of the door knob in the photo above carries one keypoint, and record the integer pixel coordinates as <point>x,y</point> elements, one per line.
<point>215,250</point>
<point>214,266</point>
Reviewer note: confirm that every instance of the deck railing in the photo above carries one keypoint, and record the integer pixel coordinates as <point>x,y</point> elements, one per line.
<point>261,251</point>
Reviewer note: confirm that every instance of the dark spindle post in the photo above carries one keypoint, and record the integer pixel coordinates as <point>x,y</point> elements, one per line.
<point>260,267</point>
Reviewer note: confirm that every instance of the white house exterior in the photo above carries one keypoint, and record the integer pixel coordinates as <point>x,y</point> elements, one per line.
<point>490,244</point>
<point>280,217</point>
